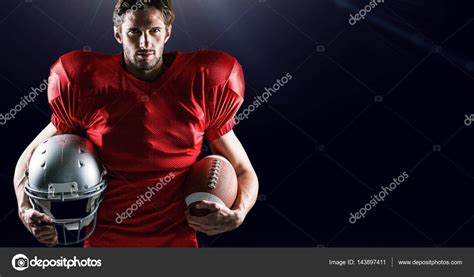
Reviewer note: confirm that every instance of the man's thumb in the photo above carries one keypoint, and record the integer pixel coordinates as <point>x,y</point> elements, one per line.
<point>41,217</point>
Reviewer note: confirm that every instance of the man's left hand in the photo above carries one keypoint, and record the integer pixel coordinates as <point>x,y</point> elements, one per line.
<point>219,220</point>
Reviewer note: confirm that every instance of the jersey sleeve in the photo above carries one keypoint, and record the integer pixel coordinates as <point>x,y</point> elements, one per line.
<point>62,102</point>
<point>223,103</point>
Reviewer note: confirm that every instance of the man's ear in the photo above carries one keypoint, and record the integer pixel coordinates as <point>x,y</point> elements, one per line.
<point>117,34</point>
<point>168,32</point>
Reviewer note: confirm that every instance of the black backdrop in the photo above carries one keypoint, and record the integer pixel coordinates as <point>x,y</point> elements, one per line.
<point>366,103</point>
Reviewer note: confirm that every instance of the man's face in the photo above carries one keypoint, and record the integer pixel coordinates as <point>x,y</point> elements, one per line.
<point>143,35</point>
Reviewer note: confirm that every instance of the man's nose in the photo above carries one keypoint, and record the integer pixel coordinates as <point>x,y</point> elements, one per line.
<point>144,40</point>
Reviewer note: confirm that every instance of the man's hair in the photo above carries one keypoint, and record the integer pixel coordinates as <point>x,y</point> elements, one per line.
<point>122,7</point>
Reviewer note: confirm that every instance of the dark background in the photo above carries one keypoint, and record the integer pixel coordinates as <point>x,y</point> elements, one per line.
<point>366,103</point>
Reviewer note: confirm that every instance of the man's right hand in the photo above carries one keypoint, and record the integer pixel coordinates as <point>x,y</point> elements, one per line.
<point>40,225</point>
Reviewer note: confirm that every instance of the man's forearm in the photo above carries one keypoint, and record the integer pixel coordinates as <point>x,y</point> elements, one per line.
<point>247,193</point>
<point>19,180</point>
<point>230,147</point>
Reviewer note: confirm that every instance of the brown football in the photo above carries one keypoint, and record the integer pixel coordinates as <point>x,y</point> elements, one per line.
<point>213,178</point>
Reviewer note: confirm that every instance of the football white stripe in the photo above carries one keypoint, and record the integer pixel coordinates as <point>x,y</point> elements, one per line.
<point>199,196</point>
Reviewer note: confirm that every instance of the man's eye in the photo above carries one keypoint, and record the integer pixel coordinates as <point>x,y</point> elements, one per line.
<point>155,30</point>
<point>133,32</point>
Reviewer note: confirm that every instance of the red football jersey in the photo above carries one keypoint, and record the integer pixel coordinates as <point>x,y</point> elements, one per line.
<point>148,135</point>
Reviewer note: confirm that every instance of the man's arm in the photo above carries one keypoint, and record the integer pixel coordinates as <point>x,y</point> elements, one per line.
<point>230,147</point>
<point>37,223</point>
<point>22,165</point>
<point>221,219</point>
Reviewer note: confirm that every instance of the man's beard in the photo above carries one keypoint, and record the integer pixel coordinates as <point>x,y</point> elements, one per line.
<point>145,65</point>
<point>140,64</point>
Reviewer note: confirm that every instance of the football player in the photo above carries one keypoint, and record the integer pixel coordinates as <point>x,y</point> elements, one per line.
<point>147,112</point>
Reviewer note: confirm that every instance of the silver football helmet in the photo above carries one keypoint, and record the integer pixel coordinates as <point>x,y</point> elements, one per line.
<point>66,181</point>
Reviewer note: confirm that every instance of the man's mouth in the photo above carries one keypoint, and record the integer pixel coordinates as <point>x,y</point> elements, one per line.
<point>146,54</point>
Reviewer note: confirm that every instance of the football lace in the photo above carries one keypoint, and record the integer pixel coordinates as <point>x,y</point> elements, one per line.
<point>214,173</point>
